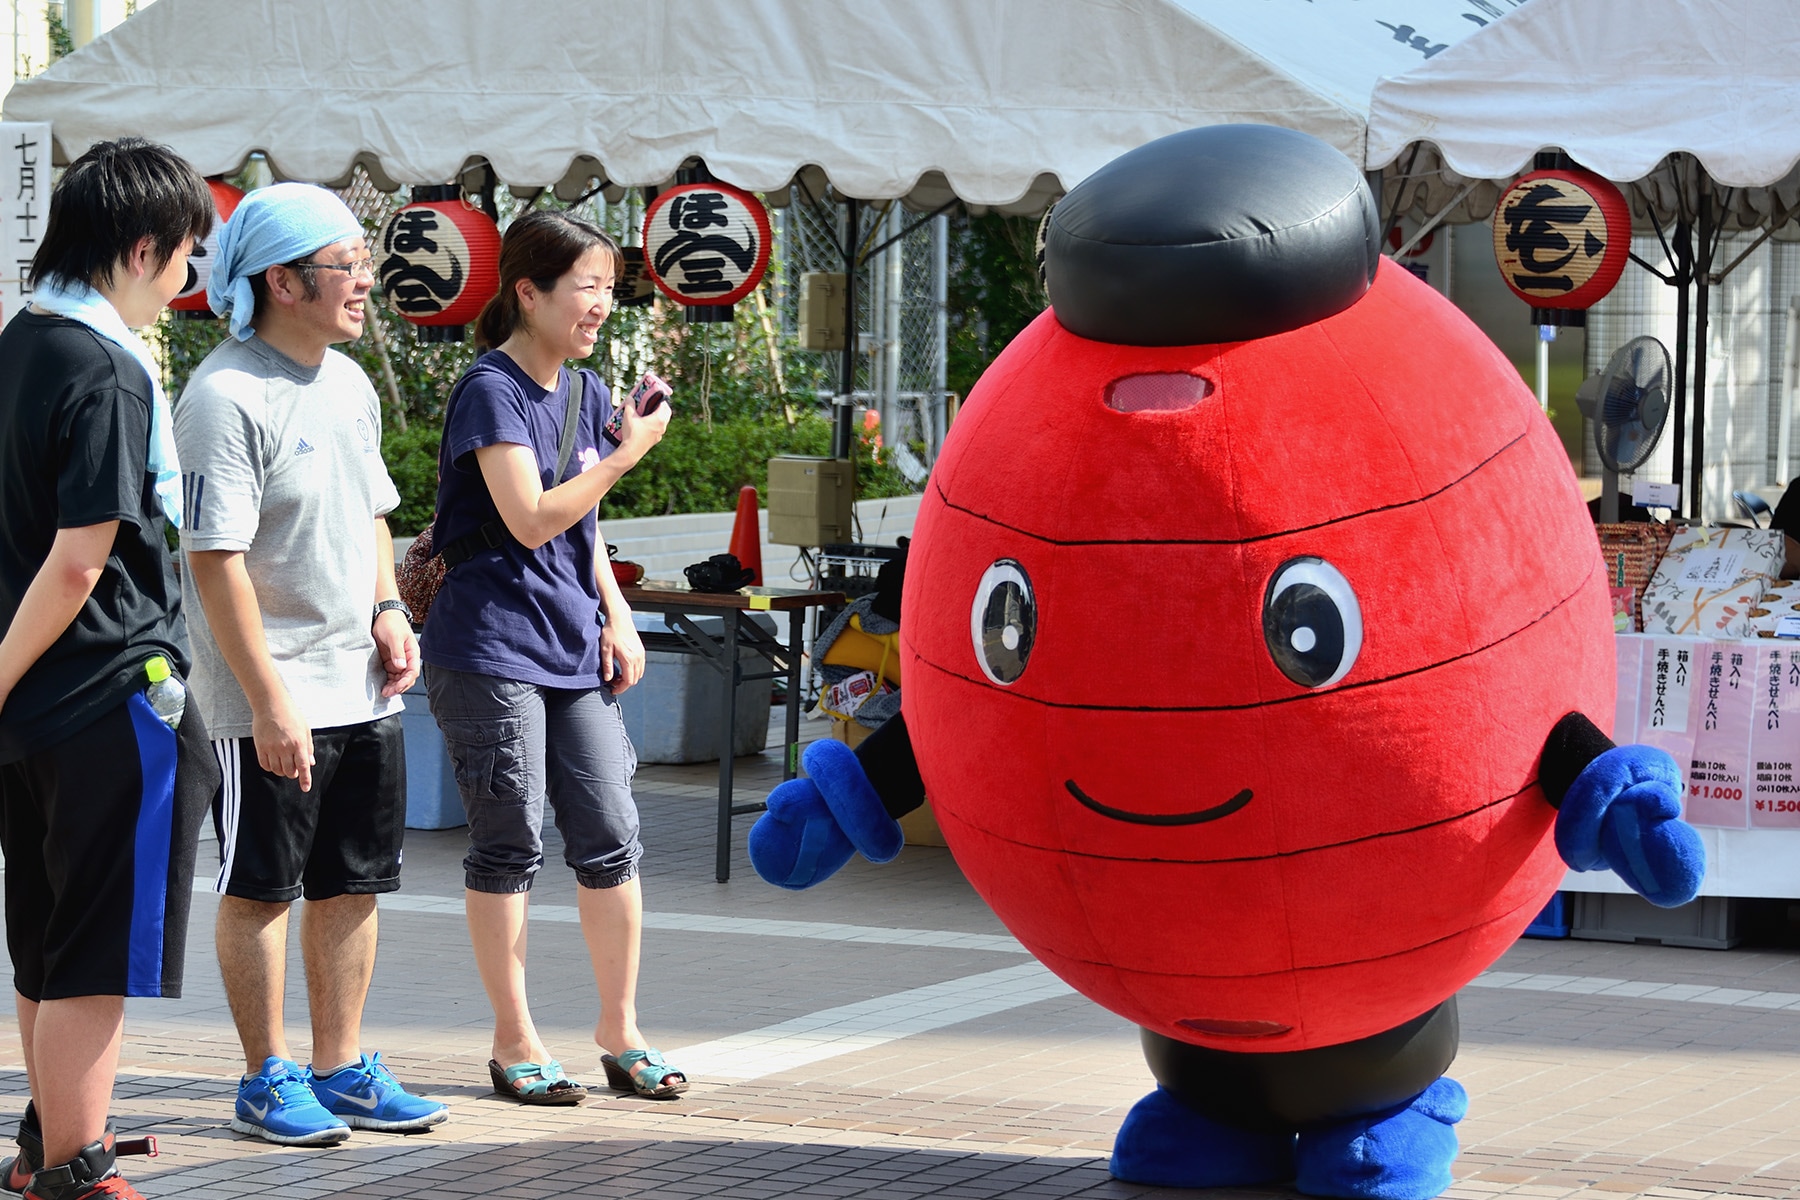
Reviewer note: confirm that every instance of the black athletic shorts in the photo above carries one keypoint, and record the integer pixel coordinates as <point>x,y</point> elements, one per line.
<point>277,843</point>
<point>100,833</point>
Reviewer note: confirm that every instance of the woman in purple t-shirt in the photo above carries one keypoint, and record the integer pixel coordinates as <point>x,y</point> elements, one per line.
<point>530,641</point>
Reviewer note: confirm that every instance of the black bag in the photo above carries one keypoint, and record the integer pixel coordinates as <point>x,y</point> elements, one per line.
<point>720,573</point>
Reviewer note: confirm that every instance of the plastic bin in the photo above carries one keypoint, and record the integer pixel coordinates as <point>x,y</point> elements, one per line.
<point>432,801</point>
<point>1553,922</point>
<point>1707,922</point>
<point>672,715</point>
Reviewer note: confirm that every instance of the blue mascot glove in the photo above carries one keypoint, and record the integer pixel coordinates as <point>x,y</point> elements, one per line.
<point>1624,812</point>
<point>813,825</point>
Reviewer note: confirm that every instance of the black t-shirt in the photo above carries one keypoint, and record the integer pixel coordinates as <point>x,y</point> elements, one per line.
<point>74,430</point>
<point>1786,516</point>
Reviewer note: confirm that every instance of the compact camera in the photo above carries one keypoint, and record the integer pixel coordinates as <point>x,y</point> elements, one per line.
<point>646,394</point>
<point>650,391</point>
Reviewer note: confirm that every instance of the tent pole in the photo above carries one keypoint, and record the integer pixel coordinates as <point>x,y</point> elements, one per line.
<point>1703,256</point>
<point>841,416</point>
<point>1789,377</point>
<point>1682,276</point>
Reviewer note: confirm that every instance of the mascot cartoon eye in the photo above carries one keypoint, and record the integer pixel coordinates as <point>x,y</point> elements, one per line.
<point>1003,621</point>
<point>1312,622</point>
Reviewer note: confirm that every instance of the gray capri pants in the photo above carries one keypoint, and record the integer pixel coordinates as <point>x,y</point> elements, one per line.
<point>513,743</point>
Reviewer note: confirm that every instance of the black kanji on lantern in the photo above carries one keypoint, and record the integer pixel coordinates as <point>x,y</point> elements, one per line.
<point>1561,238</point>
<point>706,244</point>
<point>1535,225</point>
<point>696,262</point>
<point>410,273</point>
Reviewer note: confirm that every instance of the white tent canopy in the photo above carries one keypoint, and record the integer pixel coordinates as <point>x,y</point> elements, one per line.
<point>1621,88</point>
<point>999,103</point>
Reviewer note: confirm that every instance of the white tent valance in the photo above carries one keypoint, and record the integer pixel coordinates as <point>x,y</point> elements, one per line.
<point>1000,103</point>
<point>1662,95</point>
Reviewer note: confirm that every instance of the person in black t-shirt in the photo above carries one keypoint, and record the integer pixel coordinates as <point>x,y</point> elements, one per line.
<point>1786,518</point>
<point>100,799</point>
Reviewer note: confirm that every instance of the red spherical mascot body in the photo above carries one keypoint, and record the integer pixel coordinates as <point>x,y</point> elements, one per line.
<point>1252,625</point>
<point>1183,832</point>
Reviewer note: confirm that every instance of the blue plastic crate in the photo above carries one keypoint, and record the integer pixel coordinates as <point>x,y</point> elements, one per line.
<point>432,801</point>
<point>1553,922</point>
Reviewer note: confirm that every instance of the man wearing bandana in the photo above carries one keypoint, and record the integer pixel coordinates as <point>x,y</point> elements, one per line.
<point>301,650</point>
<point>101,794</point>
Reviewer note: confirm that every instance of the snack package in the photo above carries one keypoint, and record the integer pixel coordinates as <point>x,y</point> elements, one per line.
<point>1710,580</point>
<point>846,697</point>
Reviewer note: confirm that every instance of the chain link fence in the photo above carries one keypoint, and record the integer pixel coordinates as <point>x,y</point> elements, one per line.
<point>1748,407</point>
<point>899,359</point>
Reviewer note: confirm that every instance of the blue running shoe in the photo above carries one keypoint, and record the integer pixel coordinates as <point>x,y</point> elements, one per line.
<point>275,1104</point>
<point>368,1097</point>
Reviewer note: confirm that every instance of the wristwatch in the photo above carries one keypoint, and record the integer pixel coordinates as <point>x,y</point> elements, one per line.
<point>382,606</point>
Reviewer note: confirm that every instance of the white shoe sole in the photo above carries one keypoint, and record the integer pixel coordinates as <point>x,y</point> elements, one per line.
<point>322,1137</point>
<point>425,1122</point>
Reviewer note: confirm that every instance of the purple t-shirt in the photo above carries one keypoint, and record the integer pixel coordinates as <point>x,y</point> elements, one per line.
<point>530,615</point>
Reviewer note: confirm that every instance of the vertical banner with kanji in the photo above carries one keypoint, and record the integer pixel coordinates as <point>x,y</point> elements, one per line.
<point>1664,694</point>
<point>24,205</point>
<point>1724,695</point>
<point>1630,649</point>
<point>1775,738</point>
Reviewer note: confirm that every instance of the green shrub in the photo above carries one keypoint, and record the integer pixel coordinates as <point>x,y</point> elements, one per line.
<point>411,457</point>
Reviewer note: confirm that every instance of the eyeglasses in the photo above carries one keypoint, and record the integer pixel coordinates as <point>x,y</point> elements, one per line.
<point>364,267</point>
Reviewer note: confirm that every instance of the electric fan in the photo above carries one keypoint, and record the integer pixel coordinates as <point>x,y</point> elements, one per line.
<point>1628,403</point>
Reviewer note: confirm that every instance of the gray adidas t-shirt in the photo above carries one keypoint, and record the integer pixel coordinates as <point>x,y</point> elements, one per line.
<point>284,463</point>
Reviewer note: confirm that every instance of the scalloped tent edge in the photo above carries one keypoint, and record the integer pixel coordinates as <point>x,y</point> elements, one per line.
<point>925,101</point>
<point>1678,95</point>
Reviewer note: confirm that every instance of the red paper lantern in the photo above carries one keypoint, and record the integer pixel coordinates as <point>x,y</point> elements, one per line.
<point>706,244</point>
<point>1562,238</point>
<point>438,262</point>
<point>192,298</point>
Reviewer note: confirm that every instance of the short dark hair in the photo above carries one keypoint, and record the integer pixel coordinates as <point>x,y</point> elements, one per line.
<point>112,197</point>
<point>541,246</point>
<point>259,286</point>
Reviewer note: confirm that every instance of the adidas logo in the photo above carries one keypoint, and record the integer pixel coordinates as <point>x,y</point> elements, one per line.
<point>302,447</point>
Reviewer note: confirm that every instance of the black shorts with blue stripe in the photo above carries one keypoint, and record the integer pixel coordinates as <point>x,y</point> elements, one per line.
<point>100,833</point>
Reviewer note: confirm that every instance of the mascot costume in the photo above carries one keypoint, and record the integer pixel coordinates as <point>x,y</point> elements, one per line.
<point>1255,636</point>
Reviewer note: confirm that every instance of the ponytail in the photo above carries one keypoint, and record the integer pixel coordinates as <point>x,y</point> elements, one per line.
<point>541,246</point>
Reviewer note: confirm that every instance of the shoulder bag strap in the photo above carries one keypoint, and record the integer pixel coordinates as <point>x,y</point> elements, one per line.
<point>571,416</point>
<point>493,535</point>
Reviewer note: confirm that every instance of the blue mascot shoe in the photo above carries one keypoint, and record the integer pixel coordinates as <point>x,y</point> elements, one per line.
<point>1396,1154</point>
<point>1165,1143</point>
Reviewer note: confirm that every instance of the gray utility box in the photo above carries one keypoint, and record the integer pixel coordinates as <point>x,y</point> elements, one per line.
<point>672,715</point>
<point>810,500</point>
<point>1706,922</point>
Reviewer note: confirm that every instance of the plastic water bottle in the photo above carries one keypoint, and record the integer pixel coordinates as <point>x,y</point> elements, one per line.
<point>166,695</point>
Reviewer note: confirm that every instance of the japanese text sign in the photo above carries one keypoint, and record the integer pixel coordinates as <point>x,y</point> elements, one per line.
<point>1562,238</point>
<point>706,243</point>
<point>24,206</point>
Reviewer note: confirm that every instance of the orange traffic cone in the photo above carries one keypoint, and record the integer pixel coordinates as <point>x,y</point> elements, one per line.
<point>746,535</point>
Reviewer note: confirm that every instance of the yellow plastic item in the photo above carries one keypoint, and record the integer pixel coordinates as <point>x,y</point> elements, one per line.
<point>857,648</point>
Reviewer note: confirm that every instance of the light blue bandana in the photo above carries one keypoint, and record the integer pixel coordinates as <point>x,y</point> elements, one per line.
<point>281,223</point>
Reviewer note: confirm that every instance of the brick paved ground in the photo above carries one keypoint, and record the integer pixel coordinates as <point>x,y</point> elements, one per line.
<point>1596,1069</point>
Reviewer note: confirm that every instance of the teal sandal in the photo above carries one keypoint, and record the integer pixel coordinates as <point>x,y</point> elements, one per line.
<point>644,1073</point>
<point>535,1083</point>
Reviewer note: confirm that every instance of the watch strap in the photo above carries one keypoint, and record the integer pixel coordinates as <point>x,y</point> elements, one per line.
<point>382,606</point>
